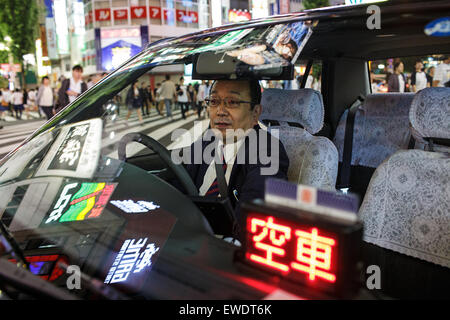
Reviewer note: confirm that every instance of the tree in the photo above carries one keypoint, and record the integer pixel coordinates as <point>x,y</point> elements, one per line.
<point>311,4</point>
<point>20,20</point>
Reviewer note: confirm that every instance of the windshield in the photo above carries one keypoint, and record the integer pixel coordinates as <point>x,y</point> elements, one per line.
<point>68,196</point>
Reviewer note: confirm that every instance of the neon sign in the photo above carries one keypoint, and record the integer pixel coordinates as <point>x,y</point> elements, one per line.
<point>130,260</point>
<point>288,248</point>
<point>83,201</point>
<point>129,206</point>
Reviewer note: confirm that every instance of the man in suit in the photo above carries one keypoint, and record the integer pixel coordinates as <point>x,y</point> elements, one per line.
<point>71,88</point>
<point>249,154</point>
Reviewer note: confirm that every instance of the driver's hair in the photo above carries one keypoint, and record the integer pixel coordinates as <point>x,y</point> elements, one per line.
<point>255,91</point>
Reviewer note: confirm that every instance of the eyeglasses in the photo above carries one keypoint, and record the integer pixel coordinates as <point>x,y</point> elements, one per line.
<point>230,103</point>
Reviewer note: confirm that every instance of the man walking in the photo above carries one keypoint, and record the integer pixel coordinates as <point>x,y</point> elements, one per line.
<point>44,98</point>
<point>71,88</point>
<point>144,99</point>
<point>168,94</point>
<point>442,74</point>
<point>17,101</point>
<point>183,99</point>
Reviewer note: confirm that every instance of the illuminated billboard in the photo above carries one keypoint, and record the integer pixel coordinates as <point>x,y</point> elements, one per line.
<point>80,201</point>
<point>62,33</point>
<point>131,259</point>
<point>120,44</point>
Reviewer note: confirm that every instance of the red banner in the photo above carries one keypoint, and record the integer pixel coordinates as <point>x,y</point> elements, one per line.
<point>120,14</point>
<point>155,12</point>
<point>187,16</point>
<point>103,14</point>
<point>138,12</point>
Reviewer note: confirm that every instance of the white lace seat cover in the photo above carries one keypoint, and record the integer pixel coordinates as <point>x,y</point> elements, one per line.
<point>381,128</point>
<point>312,160</point>
<point>407,205</point>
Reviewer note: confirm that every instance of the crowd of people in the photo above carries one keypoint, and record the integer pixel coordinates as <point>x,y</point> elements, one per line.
<point>15,102</point>
<point>166,97</point>
<point>45,100</point>
<point>420,78</point>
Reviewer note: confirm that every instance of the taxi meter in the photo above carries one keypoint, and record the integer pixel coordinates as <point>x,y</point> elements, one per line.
<point>305,236</point>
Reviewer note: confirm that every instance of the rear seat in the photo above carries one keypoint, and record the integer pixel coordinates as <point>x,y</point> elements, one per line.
<point>298,114</point>
<point>381,127</point>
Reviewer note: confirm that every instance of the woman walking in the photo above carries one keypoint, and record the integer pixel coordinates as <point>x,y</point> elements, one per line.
<point>134,102</point>
<point>17,99</point>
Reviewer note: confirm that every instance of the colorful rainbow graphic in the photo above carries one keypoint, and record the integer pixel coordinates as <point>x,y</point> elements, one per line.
<point>88,202</point>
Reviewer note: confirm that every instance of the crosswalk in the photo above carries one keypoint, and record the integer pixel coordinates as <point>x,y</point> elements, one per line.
<point>156,126</point>
<point>26,115</point>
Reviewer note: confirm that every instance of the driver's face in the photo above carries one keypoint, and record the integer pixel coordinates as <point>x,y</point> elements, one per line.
<point>241,117</point>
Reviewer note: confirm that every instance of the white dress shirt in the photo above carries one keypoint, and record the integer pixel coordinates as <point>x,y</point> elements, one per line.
<point>230,151</point>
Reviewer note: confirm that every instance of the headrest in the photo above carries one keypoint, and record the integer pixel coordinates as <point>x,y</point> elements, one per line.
<point>430,113</point>
<point>303,106</point>
<point>388,104</point>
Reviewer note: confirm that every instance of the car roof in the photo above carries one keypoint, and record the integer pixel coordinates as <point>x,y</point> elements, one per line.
<point>342,30</point>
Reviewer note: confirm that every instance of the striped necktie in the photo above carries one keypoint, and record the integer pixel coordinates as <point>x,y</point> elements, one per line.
<point>213,190</point>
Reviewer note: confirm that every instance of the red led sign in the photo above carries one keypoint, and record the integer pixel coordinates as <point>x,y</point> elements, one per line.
<point>291,249</point>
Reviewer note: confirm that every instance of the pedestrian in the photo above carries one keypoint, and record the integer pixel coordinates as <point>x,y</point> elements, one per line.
<point>144,99</point>
<point>25,103</point>
<point>157,95</point>
<point>419,79</point>
<point>32,101</point>
<point>92,81</point>
<point>430,75</point>
<point>201,96</point>
<point>17,101</point>
<point>191,96</point>
<point>133,101</point>
<point>6,100</point>
<point>151,97</point>
<point>71,88</point>
<point>183,99</point>
<point>168,95</point>
<point>44,98</point>
<point>3,105</point>
<point>397,81</point>
<point>442,73</point>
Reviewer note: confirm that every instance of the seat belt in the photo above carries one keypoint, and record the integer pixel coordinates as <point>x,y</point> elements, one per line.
<point>344,178</point>
<point>223,190</point>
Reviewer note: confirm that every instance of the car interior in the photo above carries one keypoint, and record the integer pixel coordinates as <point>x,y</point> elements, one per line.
<point>338,137</point>
<point>390,149</point>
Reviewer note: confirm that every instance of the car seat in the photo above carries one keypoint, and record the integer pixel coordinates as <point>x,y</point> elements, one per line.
<point>406,211</point>
<point>380,128</point>
<point>297,115</point>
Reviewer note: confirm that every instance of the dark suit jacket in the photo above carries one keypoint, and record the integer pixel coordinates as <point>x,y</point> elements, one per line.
<point>63,98</point>
<point>394,84</point>
<point>245,179</point>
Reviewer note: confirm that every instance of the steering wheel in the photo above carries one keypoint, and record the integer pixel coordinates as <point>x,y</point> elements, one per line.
<point>179,171</point>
